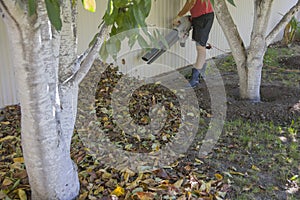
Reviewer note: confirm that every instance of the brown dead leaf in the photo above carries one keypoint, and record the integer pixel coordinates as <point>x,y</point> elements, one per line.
<point>7,182</point>
<point>83,196</point>
<point>21,174</point>
<point>161,173</point>
<point>144,195</point>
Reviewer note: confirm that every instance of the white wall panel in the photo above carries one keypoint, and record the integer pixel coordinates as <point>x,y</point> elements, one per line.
<point>161,16</point>
<point>8,92</point>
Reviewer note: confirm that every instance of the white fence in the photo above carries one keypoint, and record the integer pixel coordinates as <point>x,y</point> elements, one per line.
<point>162,13</point>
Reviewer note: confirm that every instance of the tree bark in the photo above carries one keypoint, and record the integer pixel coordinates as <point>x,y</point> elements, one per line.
<point>46,148</point>
<point>257,49</point>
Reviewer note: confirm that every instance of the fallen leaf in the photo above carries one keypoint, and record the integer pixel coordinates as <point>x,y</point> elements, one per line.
<point>187,168</point>
<point>255,168</point>
<point>178,183</point>
<point>247,188</point>
<point>2,195</point>
<point>22,194</point>
<point>283,139</point>
<point>7,182</point>
<point>18,160</point>
<point>161,173</point>
<point>5,123</point>
<point>209,115</point>
<point>21,174</point>
<point>9,137</point>
<point>219,177</point>
<point>294,178</point>
<point>83,196</point>
<point>236,173</point>
<point>119,191</point>
<point>144,195</point>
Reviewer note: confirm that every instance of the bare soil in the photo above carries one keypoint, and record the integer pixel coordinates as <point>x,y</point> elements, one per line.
<point>280,102</point>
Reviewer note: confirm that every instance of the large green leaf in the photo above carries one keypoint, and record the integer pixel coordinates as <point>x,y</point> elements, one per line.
<point>111,13</point>
<point>125,15</point>
<point>53,9</point>
<point>121,3</point>
<point>139,16</point>
<point>31,7</point>
<point>113,46</point>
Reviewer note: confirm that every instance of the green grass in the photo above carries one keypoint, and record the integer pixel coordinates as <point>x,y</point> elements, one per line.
<point>267,162</point>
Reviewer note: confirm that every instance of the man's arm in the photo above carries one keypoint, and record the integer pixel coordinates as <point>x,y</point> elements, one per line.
<point>187,7</point>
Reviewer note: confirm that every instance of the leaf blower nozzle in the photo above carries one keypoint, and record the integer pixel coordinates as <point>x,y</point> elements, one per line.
<point>179,33</point>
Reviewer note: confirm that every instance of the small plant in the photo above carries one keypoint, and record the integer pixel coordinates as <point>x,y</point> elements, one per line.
<point>290,31</point>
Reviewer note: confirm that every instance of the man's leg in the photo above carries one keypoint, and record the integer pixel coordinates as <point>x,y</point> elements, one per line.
<point>198,66</point>
<point>201,56</point>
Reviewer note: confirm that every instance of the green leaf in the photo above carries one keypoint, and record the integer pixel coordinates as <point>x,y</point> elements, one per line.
<point>139,16</point>
<point>132,40</point>
<point>31,7</point>
<point>89,5</point>
<point>142,42</point>
<point>147,7</point>
<point>120,3</point>
<point>103,51</point>
<point>231,2</point>
<point>113,46</point>
<point>53,9</point>
<point>111,14</point>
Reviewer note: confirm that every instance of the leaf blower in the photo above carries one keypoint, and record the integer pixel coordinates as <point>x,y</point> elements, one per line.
<point>179,33</point>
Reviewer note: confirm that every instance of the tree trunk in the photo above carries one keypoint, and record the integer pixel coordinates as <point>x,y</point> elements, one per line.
<point>256,51</point>
<point>45,135</point>
<point>249,61</point>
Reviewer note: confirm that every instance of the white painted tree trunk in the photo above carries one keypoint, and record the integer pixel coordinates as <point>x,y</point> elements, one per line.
<point>250,61</point>
<point>48,74</point>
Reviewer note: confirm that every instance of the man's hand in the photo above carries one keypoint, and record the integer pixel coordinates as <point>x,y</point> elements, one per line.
<point>176,21</point>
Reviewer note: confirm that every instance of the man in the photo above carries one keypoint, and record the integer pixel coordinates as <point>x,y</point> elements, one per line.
<point>202,19</point>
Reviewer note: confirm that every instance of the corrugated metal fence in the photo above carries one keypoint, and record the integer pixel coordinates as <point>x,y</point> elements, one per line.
<point>162,13</point>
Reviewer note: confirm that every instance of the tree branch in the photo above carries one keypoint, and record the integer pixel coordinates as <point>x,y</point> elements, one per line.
<point>87,59</point>
<point>262,13</point>
<point>68,37</point>
<point>283,22</point>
